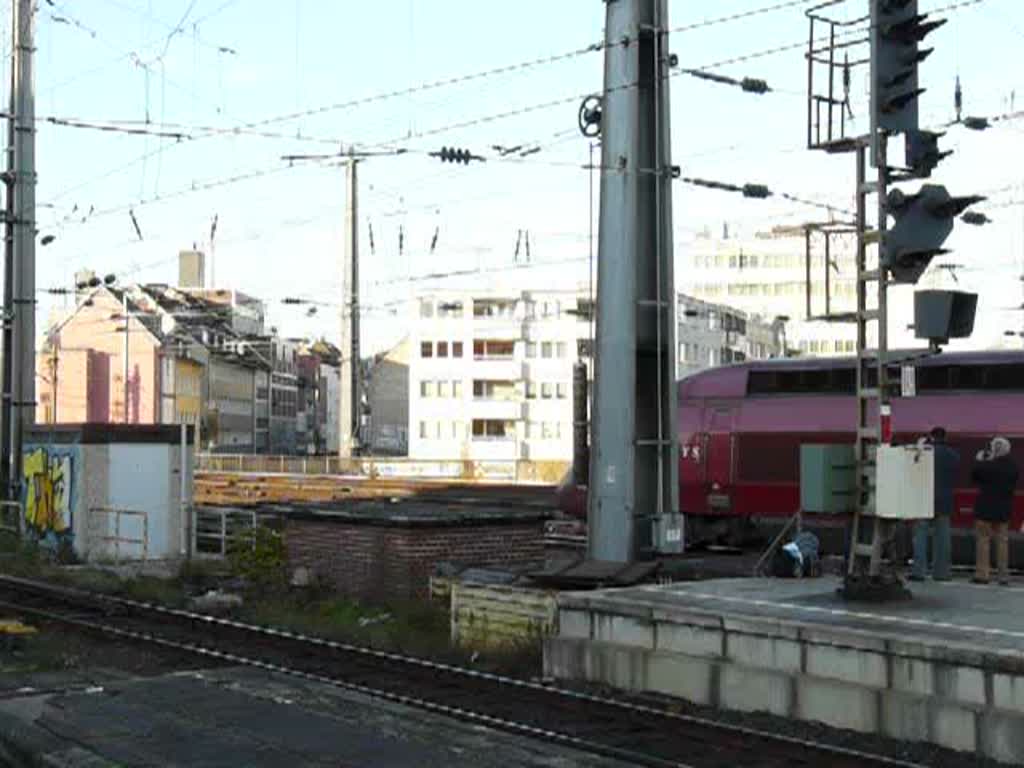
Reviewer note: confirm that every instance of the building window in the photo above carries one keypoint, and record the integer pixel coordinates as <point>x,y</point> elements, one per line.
<point>529,309</point>
<point>423,430</point>
<point>426,389</point>
<point>494,350</point>
<point>493,429</point>
<point>531,349</point>
<point>442,349</point>
<point>504,391</point>
<point>426,349</point>
<point>426,308</point>
<point>444,389</point>
<point>531,390</point>
<point>493,308</point>
<point>449,309</point>
<point>584,348</point>
<point>456,349</point>
<point>546,349</point>
<point>545,390</point>
<point>457,389</point>
<point>561,391</point>
<point>561,350</point>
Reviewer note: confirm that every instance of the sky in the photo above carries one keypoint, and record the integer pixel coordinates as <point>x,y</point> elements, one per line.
<point>250,81</point>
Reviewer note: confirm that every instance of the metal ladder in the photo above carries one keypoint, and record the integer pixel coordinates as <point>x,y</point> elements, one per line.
<point>870,533</point>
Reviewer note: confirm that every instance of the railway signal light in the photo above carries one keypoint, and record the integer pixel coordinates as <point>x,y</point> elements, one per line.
<point>923,221</point>
<point>897,29</point>
<point>943,315</point>
<point>922,152</point>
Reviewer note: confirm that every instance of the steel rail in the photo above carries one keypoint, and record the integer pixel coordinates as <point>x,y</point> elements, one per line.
<point>80,595</point>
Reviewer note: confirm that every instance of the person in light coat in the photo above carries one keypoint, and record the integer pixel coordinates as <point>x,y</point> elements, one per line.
<point>995,474</point>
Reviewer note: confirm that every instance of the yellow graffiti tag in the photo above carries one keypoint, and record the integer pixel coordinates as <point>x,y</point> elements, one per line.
<point>47,498</point>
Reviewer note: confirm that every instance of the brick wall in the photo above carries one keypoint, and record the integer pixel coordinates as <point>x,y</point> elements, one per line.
<point>380,562</point>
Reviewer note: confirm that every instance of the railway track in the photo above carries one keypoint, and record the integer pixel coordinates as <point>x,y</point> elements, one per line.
<point>222,488</point>
<point>637,734</point>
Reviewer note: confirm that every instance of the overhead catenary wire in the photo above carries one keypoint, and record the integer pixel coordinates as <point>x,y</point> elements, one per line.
<point>482,120</point>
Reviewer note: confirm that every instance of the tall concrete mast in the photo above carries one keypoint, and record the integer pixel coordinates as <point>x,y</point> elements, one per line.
<point>634,490</point>
<point>350,380</point>
<point>20,274</point>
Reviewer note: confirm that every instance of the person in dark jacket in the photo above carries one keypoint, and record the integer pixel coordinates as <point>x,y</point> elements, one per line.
<point>995,473</point>
<point>947,464</point>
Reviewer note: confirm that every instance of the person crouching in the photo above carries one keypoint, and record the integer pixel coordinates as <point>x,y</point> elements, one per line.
<point>995,474</point>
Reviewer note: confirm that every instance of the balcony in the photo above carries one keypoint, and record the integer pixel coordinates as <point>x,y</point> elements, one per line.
<point>496,368</point>
<point>494,448</point>
<point>486,408</point>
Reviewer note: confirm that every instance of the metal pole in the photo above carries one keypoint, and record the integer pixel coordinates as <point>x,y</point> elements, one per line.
<point>8,309</point>
<point>183,470</point>
<point>24,257</point>
<point>580,449</point>
<point>124,311</point>
<point>348,411</point>
<point>634,492</point>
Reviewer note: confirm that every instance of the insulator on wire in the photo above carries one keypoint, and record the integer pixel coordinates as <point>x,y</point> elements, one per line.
<point>433,240</point>
<point>958,99</point>
<point>401,239</point>
<point>373,250</point>
<point>756,190</point>
<point>519,240</point>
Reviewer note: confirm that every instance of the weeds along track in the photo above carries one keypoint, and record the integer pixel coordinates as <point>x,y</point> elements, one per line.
<point>636,734</point>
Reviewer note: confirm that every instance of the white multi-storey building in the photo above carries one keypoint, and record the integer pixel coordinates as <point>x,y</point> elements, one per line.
<point>490,375</point>
<point>490,372</point>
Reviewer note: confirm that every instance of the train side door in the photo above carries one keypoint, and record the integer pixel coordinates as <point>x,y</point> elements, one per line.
<point>718,462</point>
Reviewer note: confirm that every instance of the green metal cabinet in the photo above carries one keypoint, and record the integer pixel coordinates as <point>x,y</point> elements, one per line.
<point>827,478</point>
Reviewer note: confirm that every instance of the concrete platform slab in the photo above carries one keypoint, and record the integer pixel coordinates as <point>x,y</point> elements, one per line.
<point>945,667</point>
<point>235,717</point>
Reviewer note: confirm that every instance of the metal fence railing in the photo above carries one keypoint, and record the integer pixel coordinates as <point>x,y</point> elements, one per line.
<point>511,470</point>
<point>109,536</point>
<point>11,518</point>
<point>217,529</point>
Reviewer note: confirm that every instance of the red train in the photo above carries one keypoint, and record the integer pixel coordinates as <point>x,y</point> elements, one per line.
<point>741,427</point>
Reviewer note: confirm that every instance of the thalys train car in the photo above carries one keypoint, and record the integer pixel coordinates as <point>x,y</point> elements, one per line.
<point>741,427</point>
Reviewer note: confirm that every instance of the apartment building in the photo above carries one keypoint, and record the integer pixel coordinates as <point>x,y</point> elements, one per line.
<point>490,374</point>
<point>708,335</point>
<point>767,276</point>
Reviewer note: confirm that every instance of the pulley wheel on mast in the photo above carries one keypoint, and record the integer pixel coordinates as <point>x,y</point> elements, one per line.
<point>590,116</point>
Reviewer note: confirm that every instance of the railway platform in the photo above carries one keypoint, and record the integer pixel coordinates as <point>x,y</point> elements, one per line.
<point>248,717</point>
<point>945,667</point>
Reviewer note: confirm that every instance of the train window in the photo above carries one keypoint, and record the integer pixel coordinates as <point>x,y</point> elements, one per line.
<point>965,377</point>
<point>844,380</point>
<point>1004,377</point>
<point>933,377</point>
<point>930,378</point>
<point>823,381</point>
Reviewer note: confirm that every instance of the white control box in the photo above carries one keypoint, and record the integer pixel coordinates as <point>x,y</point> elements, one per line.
<point>905,482</point>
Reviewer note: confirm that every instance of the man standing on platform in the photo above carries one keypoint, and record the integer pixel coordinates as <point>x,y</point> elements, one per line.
<point>995,473</point>
<point>947,463</point>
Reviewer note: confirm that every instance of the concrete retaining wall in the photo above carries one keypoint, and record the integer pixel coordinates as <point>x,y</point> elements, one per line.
<point>964,698</point>
<point>494,616</point>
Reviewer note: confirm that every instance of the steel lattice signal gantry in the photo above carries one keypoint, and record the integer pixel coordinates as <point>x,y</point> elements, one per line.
<point>900,254</point>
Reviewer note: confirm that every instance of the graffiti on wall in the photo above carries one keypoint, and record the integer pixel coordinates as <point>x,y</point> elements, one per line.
<point>49,492</point>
